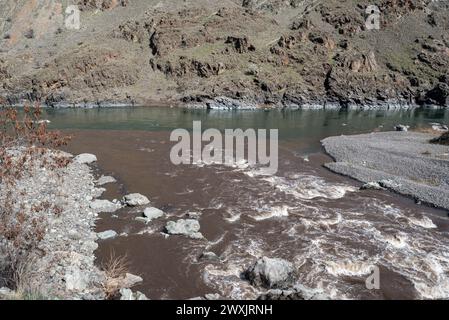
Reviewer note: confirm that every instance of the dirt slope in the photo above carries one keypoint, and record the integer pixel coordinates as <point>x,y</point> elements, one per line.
<point>260,52</point>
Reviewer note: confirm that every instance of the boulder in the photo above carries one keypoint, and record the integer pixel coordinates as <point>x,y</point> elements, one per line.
<point>271,273</point>
<point>439,127</point>
<point>152,213</point>
<point>105,180</point>
<point>186,227</point>
<point>212,296</point>
<point>85,158</point>
<point>401,127</point>
<point>372,186</point>
<point>389,184</point>
<point>130,280</point>
<point>104,206</point>
<point>109,234</point>
<point>127,294</point>
<point>75,280</point>
<point>135,199</point>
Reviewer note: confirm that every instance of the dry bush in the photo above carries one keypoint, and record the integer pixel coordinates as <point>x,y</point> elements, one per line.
<point>115,269</point>
<point>24,145</point>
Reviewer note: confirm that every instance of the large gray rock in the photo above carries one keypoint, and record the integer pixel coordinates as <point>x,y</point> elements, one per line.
<point>104,206</point>
<point>373,185</point>
<point>152,213</point>
<point>439,127</point>
<point>105,180</point>
<point>85,158</point>
<point>109,234</point>
<point>127,294</point>
<point>135,199</point>
<point>130,280</point>
<point>75,280</point>
<point>186,227</point>
<point>401,127</point>
<point>271,273</point>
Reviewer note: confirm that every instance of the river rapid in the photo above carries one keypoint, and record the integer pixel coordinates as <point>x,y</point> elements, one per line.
<point>330,230</point>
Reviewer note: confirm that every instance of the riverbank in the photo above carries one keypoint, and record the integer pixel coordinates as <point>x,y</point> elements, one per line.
<point>403,162</point>
<point>52,233</point>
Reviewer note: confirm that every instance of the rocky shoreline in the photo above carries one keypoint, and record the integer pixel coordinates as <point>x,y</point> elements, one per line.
<point>226,103</point>
<point>62,266</point>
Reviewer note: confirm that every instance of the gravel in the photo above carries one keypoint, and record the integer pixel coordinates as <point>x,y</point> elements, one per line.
<point>403,162</point>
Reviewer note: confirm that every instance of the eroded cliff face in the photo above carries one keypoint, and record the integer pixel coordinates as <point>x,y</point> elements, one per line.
<point>269,53</point>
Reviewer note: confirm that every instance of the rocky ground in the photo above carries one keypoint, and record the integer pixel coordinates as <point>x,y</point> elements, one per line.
<point>403,162</point>
<point>62,264</point>
<point>225,54</point>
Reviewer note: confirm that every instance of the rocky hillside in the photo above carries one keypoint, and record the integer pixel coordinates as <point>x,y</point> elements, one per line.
<point>271,53</point>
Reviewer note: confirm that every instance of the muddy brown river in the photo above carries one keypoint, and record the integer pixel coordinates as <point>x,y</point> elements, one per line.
<point>332,231</point>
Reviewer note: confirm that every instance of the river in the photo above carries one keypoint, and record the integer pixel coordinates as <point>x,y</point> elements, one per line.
<point>332,232</point>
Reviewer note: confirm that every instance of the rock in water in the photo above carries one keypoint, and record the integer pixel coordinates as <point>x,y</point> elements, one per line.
<point>105,180</point>
<point>107,234</point>
<point>127,294</point>
<point>104,206</point>
<point>130,280</point>
<point>372,186</point>
<point>439,127</point>
<point>271,273</point>
<point>401,127</point>
<point>152,213</point>
<point>135,199</point>
<point>85,158</point>
<point>186,227</point>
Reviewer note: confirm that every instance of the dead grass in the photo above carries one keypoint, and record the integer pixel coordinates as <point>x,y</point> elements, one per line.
<point>115,269</point>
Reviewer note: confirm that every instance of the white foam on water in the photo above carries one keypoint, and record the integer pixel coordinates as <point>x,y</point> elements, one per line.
<point>424,222</point>
<point>349,268</point>
<point>308,187</point>
<point>271,212</point>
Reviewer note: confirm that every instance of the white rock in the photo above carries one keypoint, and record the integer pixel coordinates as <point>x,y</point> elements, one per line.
<point>152,213</point>
<point>85,158</point>
<point>104,206</point>
<point>186,227</point>
<point>127,294</point>
<point>6,293</point>
<point>131,280</point>
<point>135,199</point>
<point>271,273</point>
<point>107,234</point>
<point>105,180</point>
<point>212,296</point>
<point>75,280</point>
